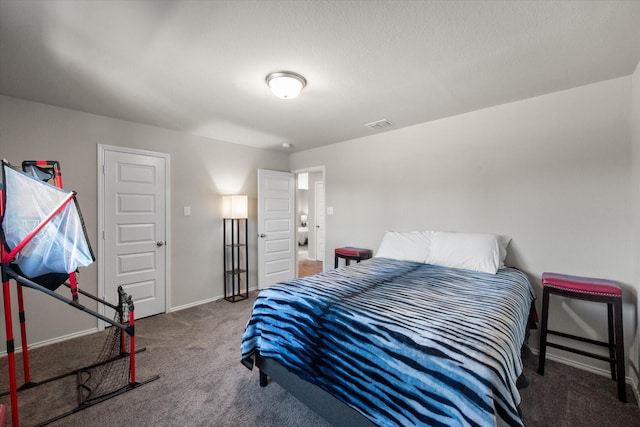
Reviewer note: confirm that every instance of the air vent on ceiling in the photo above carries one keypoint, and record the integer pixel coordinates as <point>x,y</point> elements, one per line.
<point>380,124</point>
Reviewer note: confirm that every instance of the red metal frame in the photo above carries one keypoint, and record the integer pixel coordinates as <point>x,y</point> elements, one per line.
<point>23,338</point>
<point>132,345</point>
<point>11,358</point>
<point>8,323</point>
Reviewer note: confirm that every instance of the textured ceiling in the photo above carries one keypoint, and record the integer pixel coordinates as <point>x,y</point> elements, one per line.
<point>199,66</point>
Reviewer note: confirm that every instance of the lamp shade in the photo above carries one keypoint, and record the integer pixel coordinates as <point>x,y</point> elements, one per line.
<point>235,206</point>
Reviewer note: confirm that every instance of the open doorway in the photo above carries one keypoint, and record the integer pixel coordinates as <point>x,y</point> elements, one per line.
<point>310,221</point>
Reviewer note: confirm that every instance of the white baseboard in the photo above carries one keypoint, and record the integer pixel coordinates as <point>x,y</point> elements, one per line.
<point>194,304</point>
<point>204,301</point>
<point>54,340</point>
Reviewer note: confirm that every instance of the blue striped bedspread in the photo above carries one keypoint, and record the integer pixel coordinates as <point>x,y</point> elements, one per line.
<point>403,343</point>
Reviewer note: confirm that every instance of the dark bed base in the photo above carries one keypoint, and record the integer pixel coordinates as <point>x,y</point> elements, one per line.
<point>324,404</point>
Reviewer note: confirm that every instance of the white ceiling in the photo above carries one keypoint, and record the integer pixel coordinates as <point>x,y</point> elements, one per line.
<point>199,66</point>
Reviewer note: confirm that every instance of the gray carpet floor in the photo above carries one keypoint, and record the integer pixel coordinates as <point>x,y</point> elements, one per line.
<point>202,383</point>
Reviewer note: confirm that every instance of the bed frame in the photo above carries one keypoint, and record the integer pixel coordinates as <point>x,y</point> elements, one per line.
<point>324,404</point>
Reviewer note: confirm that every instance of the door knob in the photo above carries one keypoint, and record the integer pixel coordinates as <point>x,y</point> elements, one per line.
<point>262,235</point>
<point>159,243</point>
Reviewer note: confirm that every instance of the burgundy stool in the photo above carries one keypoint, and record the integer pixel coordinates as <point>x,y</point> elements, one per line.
<point>588,289</point>
<point>348,253</point>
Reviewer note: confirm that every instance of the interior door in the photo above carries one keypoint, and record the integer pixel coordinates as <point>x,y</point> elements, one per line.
<point>276,227</point>
<point>134,228</point>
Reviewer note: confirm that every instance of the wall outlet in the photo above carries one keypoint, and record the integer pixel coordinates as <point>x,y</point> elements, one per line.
<point>186,210</point>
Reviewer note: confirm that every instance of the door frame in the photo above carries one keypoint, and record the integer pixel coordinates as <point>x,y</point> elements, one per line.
<point>102,148</point>
<point>324,179</point>
<point>320,256</point>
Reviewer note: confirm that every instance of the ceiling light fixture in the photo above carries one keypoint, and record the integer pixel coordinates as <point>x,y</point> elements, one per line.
<point>286,84</point>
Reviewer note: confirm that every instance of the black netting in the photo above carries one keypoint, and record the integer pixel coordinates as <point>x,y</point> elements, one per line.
<point>111,370</point>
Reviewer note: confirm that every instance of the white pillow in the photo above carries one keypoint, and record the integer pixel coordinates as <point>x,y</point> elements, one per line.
<point>469,251</point>
<point>405,246</point>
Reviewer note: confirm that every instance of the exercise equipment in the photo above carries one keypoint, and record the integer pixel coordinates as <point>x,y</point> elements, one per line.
<point>44,242</point>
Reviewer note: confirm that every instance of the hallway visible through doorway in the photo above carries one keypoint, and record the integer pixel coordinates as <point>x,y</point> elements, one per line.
<point>307,267</point>
<point>310,224</point>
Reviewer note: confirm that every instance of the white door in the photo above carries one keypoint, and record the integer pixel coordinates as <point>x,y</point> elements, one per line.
<point>276,227</point>
<point>320,220</point>
<point>134,208</point>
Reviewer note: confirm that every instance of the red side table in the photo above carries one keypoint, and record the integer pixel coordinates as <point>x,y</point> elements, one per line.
<point>349,253</point>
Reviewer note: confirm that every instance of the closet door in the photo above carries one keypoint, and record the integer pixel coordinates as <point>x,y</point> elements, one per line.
<point>134,228</point>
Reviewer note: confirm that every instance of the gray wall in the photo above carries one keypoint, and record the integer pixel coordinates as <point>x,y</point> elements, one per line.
<point>201,171</point>
<point>553,172</point>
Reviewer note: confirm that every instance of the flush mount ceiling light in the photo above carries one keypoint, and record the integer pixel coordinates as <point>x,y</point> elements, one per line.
<point>286,84</point>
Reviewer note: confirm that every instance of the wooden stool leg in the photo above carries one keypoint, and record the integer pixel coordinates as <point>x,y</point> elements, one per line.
<point>543,329</point>
<point>612,340</point>
<point>622,386</point>
<point>336,263</point>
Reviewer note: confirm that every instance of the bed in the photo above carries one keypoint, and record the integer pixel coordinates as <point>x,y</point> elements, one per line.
<point>396,342</point>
